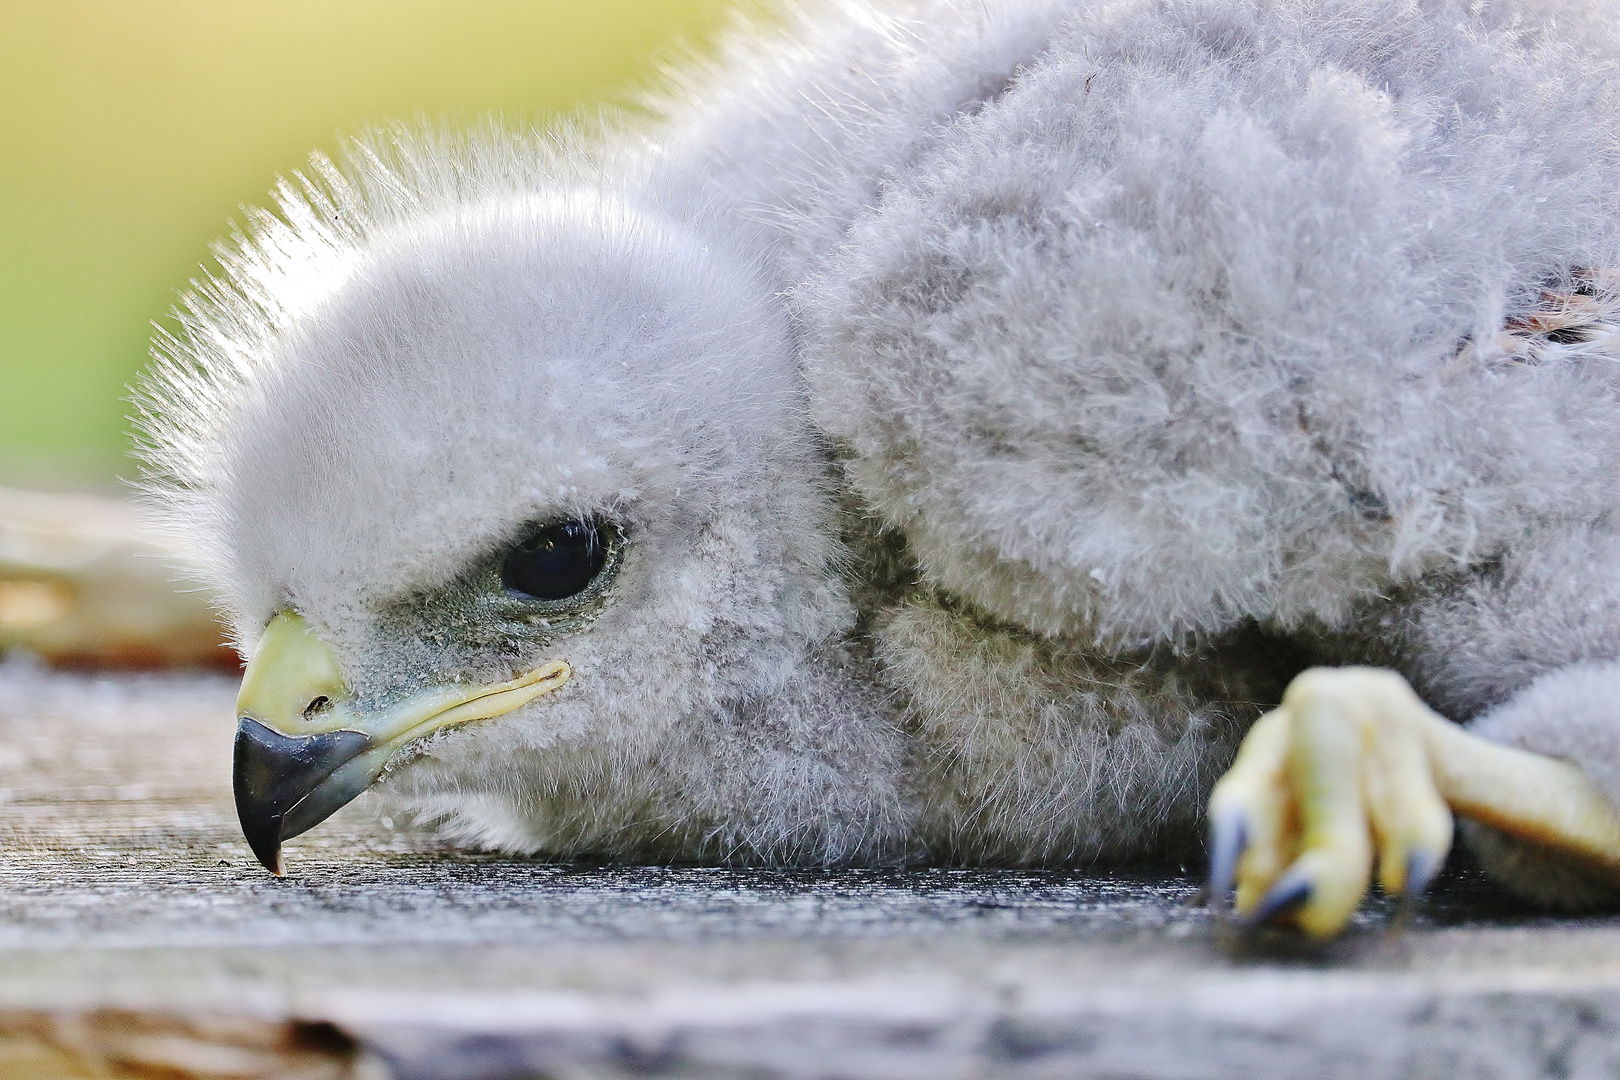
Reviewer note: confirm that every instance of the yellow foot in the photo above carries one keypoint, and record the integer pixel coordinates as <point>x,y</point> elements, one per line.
<point>1353,768</point>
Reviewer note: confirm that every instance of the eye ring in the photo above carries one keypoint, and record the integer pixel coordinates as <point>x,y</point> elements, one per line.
<point>557,561</point>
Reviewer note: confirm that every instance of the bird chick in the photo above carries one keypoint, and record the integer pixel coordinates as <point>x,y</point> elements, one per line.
<point>420,462</point>
<point>942,432</point>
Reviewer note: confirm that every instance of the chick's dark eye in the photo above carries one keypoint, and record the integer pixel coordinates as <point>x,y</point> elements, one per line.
<point>556,561</point>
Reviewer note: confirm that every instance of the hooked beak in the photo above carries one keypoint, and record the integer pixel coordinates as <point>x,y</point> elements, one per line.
<point>303,750</point>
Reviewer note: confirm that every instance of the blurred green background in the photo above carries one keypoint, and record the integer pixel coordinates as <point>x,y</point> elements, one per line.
<point>132,130</point>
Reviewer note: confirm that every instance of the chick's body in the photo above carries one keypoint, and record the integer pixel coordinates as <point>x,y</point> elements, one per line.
<point>999,402</point>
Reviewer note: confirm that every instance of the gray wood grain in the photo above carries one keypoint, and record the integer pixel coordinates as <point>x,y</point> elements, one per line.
<point>133,916</point>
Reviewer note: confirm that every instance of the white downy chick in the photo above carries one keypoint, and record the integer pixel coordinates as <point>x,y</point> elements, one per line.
<point>409,392</point>
<point>976,413</point>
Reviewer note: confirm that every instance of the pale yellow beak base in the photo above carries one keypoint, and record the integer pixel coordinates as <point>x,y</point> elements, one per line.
<point>303,750</point>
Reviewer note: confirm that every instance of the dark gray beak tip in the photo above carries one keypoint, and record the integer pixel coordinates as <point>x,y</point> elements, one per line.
<point>263,835</point>
<point>274,775</point>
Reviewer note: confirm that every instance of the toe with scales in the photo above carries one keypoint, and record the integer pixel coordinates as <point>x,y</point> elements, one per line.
<point>1352,770</point>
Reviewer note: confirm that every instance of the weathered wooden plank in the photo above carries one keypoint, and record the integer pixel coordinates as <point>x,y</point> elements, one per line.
<point>47,1044</point>
<point>83,580</point>
<point>134,924</point>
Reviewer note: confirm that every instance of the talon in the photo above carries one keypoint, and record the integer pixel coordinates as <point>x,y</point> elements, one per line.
<point>1292,892</point>
<point>1227,839</point>
<point>1353,770</point>
<point>1338,775</point>
<point>1421,868</point>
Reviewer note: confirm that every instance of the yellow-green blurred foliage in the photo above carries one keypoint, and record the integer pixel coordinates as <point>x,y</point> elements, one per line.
<point>131,130</point>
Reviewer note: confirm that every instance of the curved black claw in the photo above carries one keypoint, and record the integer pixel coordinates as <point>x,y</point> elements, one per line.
<point>1421,869</point>
<point>1290,891</point>
<point>287,784</point>
<point>1227,838</point>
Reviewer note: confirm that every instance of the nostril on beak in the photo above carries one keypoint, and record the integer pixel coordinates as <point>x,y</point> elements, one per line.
<point>317,706</point>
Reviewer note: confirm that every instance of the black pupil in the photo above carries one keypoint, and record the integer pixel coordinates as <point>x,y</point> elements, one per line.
<point>555,562</point>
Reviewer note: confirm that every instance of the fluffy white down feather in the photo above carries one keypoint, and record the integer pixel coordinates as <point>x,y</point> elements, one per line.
<point>1001,401</point>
